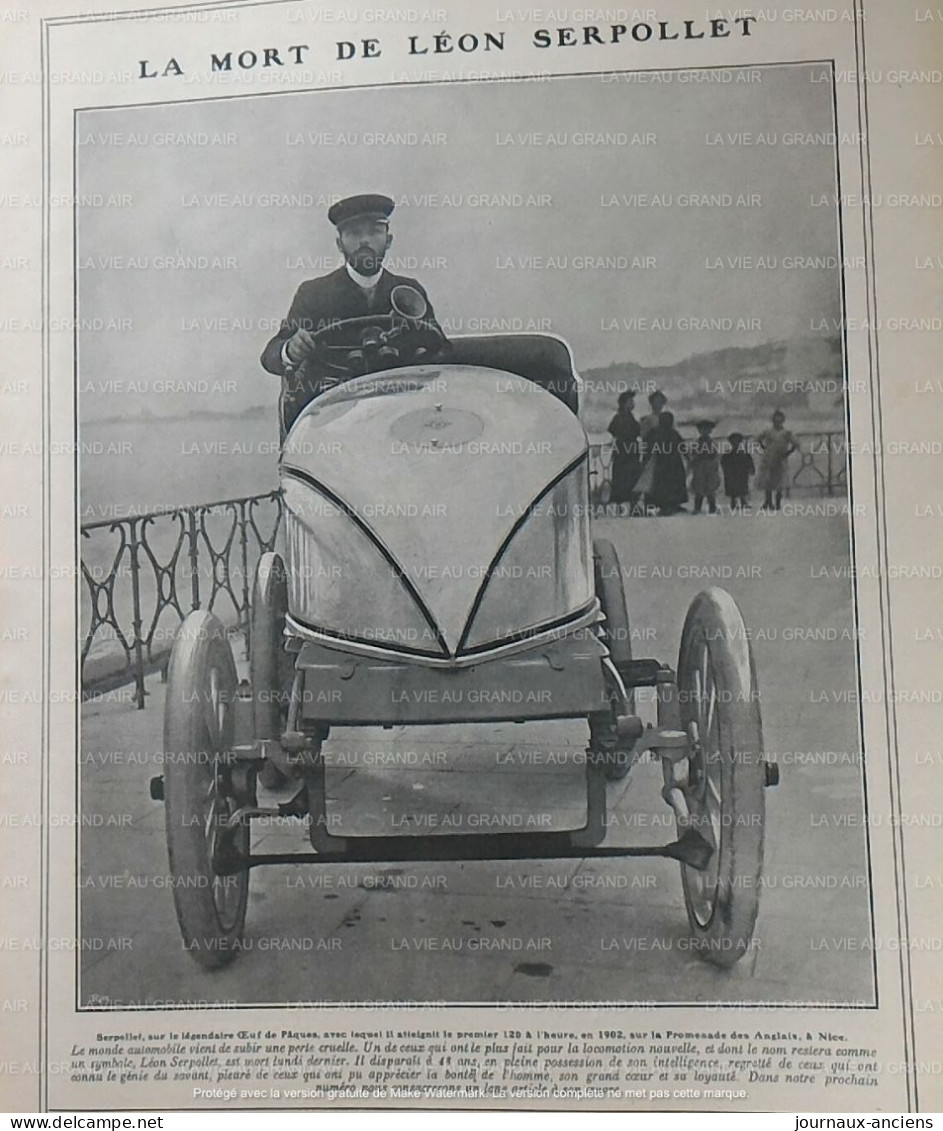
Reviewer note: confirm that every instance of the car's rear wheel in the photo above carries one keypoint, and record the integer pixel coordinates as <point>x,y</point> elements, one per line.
<point>210,890</point>
<point>720,712</point>
<point>616,635</point>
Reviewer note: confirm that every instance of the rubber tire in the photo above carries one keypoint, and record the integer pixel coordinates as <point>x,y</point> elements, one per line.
<point>714,621</point>
<point>190,750</point>
<point>607,574</point>
<point>267,640</point>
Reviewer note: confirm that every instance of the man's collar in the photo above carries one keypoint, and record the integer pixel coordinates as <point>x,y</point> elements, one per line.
<point>365,282</point>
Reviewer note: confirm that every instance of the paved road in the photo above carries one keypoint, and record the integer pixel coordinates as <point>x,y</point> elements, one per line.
<point>544,931</point>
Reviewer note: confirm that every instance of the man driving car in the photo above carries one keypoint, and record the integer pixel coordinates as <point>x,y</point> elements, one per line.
<point>362,286</point>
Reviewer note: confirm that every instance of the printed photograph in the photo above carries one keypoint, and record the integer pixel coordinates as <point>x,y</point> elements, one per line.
<point>466,598</point>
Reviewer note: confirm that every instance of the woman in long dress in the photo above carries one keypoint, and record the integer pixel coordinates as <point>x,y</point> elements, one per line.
<point>657,401</point>
<point>626,457</point>
<point>669,487</point>
<point>778,445</point>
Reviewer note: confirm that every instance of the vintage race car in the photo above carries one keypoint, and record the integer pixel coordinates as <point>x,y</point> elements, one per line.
<point>441,569</point>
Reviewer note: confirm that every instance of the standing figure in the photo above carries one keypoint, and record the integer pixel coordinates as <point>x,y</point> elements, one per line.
<point>738,466</point>
<point>704,459</point>
<point>778,445</point>
<point>669,490</point>
<point>657,400</point>
<point>627,457</point>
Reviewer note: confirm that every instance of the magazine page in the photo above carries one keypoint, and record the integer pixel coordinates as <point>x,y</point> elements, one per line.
<point>471,565</point>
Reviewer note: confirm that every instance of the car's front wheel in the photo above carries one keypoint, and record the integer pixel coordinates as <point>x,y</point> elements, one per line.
<point>720,712</point>
<point>205,847</point>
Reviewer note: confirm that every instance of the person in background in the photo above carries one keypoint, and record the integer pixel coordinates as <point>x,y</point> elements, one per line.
<point>627,457</point>
<point>647,425</point>
<point>669,490</point>
<point>704,460</point>
<point>737,466</point>
<point>778,445</point>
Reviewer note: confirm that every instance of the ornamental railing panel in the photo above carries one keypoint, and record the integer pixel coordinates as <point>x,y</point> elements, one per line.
<point>142,574</point>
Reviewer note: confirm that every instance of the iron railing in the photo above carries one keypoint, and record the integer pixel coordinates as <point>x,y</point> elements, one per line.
<point>144,573</point>
<point>818,468</point>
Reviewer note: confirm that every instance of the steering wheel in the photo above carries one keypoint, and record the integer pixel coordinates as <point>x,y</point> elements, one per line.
<point>355,346</point>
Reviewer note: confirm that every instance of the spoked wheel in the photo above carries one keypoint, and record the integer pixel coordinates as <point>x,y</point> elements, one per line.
<point>604,739</point>
<point>269,668</point>
<point>720,711</point>
<point>209,897</point>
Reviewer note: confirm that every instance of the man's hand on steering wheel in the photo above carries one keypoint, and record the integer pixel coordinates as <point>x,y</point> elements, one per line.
<point>301,346</point>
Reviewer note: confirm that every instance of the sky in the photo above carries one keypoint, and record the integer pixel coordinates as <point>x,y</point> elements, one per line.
<point>590,206</point>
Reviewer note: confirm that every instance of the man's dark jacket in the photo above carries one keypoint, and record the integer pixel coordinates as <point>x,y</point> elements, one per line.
<point>319,303</point>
